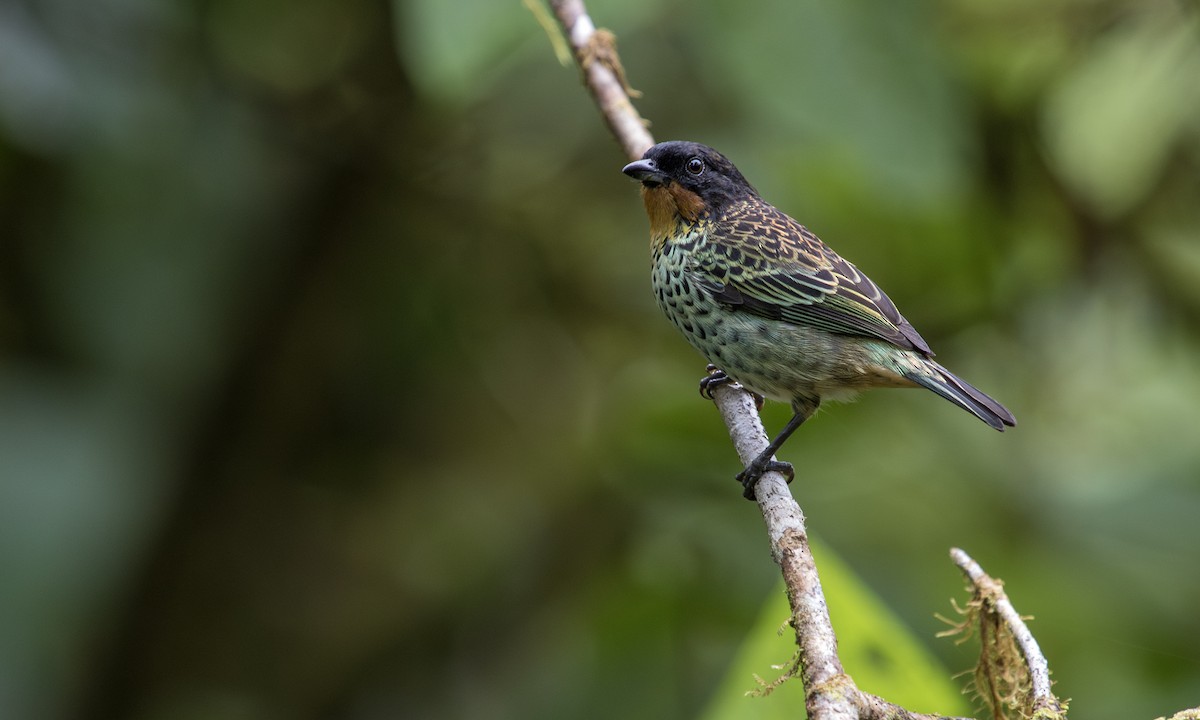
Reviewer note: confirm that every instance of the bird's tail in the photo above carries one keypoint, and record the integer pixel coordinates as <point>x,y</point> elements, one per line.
<point>963,394</point>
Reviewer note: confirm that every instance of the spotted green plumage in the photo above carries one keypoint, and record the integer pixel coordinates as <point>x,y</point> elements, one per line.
<point>757,259</point>
<point>768,302</point>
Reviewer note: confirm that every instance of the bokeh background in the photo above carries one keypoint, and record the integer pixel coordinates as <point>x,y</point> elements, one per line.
<point>331,385</point>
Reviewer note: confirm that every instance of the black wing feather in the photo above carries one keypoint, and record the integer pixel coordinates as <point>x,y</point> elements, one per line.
<point>759,260</point>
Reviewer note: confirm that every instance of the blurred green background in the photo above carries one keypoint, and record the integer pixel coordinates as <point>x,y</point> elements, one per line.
<point>331,384</point>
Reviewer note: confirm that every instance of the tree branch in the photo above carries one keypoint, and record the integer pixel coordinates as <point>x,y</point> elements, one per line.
<point>999,680</point>
<point>828,689</point>
<point>596,52</point>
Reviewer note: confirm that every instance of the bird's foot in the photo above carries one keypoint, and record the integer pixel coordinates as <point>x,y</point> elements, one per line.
<point>716,376</point>
<point>759,465</point>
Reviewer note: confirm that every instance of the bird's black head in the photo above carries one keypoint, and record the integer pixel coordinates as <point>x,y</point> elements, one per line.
<point>693,167</point>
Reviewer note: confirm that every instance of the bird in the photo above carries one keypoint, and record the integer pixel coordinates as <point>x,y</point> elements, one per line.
<point>770,305</point>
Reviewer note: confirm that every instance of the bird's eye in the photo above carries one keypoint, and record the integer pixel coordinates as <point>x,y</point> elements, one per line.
<point>695,166</point>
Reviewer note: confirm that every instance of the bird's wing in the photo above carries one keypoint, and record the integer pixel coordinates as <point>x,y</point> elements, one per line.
<point>759,260</point>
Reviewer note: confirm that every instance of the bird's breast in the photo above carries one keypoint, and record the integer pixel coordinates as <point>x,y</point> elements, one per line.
<point>777,359</point>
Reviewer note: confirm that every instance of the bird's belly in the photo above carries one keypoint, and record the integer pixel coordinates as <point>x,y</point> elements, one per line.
<point>780,360</point>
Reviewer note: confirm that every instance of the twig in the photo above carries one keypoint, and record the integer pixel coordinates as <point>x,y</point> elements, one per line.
<point>828,691</point>
<point>1190,714</point>
<point>989,592</point>
<point>596,53</point>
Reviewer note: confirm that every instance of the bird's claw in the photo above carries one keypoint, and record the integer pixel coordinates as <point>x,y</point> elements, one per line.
<point>754,471</point>
<point>716,376</point>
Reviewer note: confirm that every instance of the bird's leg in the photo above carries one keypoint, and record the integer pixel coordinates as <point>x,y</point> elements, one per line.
<point>716,376</point>
<point>765,462</point>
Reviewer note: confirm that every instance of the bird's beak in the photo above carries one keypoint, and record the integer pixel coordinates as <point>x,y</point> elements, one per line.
<point>647,171</point>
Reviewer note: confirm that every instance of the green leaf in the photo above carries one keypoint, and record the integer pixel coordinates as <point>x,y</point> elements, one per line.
<point>876,649</point>
<point>1114,121</point>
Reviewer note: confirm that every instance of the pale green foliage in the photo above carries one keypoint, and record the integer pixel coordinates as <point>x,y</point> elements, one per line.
<point>877,650</point>
<point>1122,112</point>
